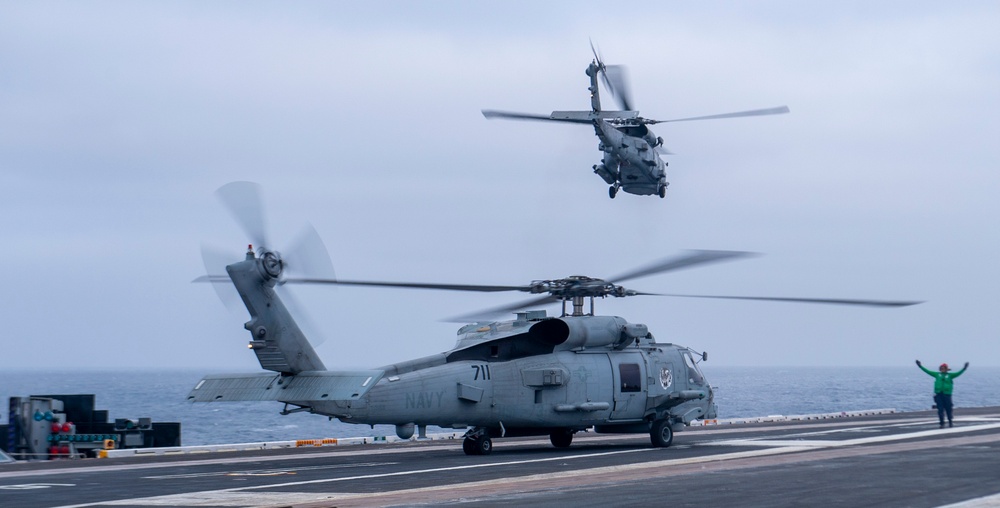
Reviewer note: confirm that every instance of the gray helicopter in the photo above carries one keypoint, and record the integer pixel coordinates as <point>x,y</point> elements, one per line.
<point>533,375</point>
<point>632,152</point>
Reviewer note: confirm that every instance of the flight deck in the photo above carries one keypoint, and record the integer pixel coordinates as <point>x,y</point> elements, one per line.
<point>897,459</point>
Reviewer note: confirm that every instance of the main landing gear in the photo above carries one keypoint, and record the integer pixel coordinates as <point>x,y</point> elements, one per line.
<point>661,190</point>
<point>561,438</point>
<point>477,442</point>
<point>661,434</point>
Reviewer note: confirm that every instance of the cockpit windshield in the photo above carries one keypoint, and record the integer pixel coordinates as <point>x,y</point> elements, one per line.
<point>695,376</point>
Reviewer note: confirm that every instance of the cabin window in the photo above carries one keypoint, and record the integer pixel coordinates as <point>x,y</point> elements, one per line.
<point>538,396</point>
<point>495,350</point>
<point>631,378</point>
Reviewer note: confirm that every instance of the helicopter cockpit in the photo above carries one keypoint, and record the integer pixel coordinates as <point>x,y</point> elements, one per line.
<point>695,377</point>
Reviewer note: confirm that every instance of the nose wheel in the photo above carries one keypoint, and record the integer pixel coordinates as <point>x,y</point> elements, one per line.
<point>612,191</point>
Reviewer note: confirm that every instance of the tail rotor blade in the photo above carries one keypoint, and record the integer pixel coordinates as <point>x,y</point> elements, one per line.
<point>243,200</point>
<point>306,325</point>
<point>616,79</point>
<point>308,256</point>
<point>597,56</point>
<point>215,266</point>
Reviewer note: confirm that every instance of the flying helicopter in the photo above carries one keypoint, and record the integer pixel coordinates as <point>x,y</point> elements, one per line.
<point>533,375</point>
<point>631,160</point>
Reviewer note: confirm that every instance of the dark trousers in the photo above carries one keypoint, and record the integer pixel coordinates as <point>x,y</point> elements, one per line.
<point>943,401</point>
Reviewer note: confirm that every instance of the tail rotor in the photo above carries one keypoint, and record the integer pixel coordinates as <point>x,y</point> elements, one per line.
<point>615,80</point>
<point>307,257</point>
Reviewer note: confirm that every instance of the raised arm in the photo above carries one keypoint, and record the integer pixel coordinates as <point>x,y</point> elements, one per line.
<point>959,373</point>
<point>925,369</point>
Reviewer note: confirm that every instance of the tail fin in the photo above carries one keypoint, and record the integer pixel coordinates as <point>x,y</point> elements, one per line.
<point>277,341</point>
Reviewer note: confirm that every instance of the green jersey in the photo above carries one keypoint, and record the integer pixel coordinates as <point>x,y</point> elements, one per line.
<point>943,381</point>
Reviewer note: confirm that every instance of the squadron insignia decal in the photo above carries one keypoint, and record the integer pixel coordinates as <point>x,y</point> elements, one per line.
<point>666,378</point>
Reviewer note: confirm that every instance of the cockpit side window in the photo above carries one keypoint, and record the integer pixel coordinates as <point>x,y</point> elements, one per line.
<point>695,376</point>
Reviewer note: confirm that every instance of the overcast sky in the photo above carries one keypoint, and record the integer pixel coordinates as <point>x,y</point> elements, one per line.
<point>119,120</point>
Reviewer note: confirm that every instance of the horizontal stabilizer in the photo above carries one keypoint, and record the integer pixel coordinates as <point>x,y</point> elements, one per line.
<point>305,386</point>
<point>590,116</point>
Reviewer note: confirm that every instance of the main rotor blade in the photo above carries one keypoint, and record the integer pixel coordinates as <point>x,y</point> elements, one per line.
<point>243,200</point>
<point>487,314</point>
<point>754,112</point>
<point>410,285</point>
<point>313,334</point>
<point>491,114</point>
<point>693,258</point>
<point>832,301</point>
<point>213,279</point>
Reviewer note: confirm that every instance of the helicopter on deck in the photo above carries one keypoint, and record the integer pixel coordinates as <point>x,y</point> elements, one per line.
<point>631,160</point>
<point>533,375</point>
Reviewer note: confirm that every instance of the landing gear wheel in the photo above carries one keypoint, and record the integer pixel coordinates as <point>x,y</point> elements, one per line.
<point>662,191</point>
<point>480,446</point>
<point>484,446</point>
<point>661,434</point>
<point>612,191</point>
<point>561,438</point>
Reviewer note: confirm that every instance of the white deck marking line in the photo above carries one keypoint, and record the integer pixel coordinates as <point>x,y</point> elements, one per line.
<point>979,502</point>
<point>271,471</point>
<point>851,442</point>
<point>855,429</point>
<point>222,497</point>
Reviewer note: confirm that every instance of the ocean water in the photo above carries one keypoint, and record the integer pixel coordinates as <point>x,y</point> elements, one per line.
<point>740,392</point>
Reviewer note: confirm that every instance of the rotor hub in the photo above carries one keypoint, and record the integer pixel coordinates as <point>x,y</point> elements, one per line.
<point>579,286</point>
<point>271,263</point>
